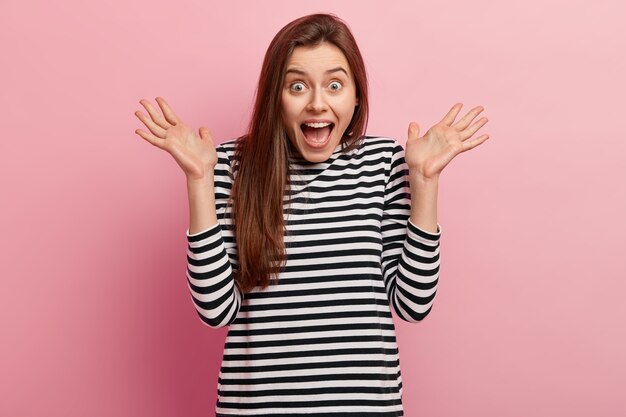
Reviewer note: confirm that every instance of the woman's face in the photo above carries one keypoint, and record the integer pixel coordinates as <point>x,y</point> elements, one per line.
<point>318,100</point>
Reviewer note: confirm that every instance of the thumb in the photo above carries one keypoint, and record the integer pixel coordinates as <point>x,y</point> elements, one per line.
<point>205,133</point>
<point>414,131</point>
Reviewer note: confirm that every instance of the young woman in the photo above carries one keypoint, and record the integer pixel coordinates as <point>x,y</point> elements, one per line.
<point>305,233</point>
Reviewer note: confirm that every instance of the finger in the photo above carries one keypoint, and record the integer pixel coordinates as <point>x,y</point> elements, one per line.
<point>414,131</point>
<point>156,117</point>
<point>154,128</point>
<point>467,119</point>
<point>205,134</point>
<point>167,111</point>
<point>469,132</point>
<point>471,144</point>
<point>454,111</point>
<point>158,142</point>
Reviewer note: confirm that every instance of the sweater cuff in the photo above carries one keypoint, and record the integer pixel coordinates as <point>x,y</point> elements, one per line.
<point>422,235</point>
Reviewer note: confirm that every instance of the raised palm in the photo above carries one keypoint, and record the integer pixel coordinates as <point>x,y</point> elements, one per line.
<point>194,154</point>
<point>427,156</point>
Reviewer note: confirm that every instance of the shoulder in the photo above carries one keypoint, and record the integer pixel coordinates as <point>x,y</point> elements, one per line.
<point>227,148</point>
<point>380,142</point>
<point>225,157</point>
<point>226,151</point>
<point>389,153</point>
<point>383,146</point>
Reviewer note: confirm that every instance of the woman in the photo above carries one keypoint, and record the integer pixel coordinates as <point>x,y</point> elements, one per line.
<point>304,232</point>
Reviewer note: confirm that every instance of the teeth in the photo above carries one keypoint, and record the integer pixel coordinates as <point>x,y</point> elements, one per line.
<point>318,125</point>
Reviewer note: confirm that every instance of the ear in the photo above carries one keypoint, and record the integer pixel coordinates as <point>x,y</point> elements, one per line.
<point>357,101</point>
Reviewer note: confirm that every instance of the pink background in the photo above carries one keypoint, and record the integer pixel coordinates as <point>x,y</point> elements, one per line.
<point>96,315</point>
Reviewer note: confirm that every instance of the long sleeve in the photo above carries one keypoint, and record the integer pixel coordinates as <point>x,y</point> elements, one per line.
<point>322,340</point>
<point>211,256</point>
<point>410,257</point>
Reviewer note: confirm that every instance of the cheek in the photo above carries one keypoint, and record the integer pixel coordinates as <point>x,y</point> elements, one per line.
<point>288,117</point>
<point>347,111</point>
<point>288,110</point>
<point>346,105</point>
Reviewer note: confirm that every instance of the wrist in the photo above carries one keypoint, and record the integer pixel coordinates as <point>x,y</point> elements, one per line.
<point>203,180</point>
<point>418,179</point>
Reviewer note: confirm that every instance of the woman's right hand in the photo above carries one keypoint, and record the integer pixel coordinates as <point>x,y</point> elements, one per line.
<point>195,155</point>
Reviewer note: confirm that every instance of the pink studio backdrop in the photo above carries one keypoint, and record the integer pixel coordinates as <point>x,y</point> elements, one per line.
<point>96,316</point>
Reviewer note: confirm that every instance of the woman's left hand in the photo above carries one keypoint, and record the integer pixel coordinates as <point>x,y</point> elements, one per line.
<point>428,156</point>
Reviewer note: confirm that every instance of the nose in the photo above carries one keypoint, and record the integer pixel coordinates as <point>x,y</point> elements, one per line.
<point>317,103</point>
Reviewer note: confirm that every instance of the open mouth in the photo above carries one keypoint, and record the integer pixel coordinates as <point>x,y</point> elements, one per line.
<point>317,135</point>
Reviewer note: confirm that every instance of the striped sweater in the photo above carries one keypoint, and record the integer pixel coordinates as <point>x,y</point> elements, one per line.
<point>320,340</point>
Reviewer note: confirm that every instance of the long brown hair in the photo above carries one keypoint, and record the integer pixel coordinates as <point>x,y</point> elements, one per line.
<point>261,165</point>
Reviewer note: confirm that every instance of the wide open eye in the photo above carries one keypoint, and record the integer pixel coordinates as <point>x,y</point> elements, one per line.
<point>298,86</point>
<point>335,85</point>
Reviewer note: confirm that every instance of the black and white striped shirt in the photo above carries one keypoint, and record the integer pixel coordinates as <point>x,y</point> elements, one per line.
<point>320,341</point>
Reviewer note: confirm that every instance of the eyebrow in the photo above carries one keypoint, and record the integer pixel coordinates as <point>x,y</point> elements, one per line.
<point>330,71</point>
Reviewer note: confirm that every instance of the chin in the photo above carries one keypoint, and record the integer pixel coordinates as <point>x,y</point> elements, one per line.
<point>319,154</point>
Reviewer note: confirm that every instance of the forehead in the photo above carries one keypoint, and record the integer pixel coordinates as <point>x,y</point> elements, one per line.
<point>317,58</point>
